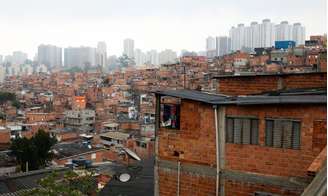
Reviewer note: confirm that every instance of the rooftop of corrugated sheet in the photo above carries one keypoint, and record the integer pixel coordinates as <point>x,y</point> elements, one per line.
<point>292,96</point>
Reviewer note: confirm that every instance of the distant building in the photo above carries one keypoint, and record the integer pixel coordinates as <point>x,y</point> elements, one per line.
<point>19,57</point>
<point>223,45</point>
<point>167,56</point>
<point>79,118</point>
<point>267,33</point>
<point>264,35</point>
<point>284,31</point>
<point>210,47</point>
<point>284,44</point>
<point>128,47</point>
<point>140,57</point>
<point>299,34</point>
<point>49,55</point>
<point>8,59</point>
<point>79,56</point>
<point>152,57</point>
<point>255,34</point>
<point>101,54</point>
<point>1,59</point>
<point>2,73</point>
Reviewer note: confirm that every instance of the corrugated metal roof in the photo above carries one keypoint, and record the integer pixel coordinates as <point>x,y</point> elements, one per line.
<point>310,96</point>
<point>194,95</point>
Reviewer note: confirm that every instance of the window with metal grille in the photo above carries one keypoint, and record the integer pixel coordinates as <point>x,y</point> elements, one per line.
<point>281,133</point>
<point>241,130</point>
<point>170,116</point>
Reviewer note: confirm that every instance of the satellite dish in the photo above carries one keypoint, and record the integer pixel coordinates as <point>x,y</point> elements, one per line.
<point>124,177</point>
<point>132,154</point>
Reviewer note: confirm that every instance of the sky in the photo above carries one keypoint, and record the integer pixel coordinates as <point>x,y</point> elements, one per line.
<point>153,24</point>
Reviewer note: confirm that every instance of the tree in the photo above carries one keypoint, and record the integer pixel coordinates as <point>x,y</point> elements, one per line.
<point>34,151</point>
<point>125,61</point>
<point>44,142</point>
<point>69,185</point>
<point>25,152</point>
<point>7,96</point>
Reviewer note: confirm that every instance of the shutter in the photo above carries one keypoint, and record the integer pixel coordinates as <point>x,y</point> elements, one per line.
<point>246,133</point>
<point>296,141</point>
<point>254,131</point>
<point>269,132</point>
<point>229,130</point>
<point>237,130</point>
<point>287,134</point>
<point>277,133</point>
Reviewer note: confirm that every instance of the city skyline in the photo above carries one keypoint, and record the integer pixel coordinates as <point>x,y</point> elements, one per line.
<point>156,28</point>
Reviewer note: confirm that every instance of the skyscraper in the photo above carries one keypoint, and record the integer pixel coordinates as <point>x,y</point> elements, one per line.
<point>49,55</point>
<point>8,59</point>
<point>152,57</point>
<point>267,33</point>
<point>140,57</point>
<point>167,57</point>
<point>255,35</point>
<point>298,34</point>
<point>128,46</point>
<point>19,58</point>
<point>79,56</point>
<point>210,47</point>
<point>283,31</point>
<point>1,60</point>
<point>233,37</point>
<point>237,35</point>
<point>223,44</point>
<point>101,59</point>
<point>2,73</point>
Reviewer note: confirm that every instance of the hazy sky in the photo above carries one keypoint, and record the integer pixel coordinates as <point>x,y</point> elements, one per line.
<point>153,24</point>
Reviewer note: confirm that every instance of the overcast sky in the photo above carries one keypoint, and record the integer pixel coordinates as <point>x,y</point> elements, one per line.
<point>153,24</point>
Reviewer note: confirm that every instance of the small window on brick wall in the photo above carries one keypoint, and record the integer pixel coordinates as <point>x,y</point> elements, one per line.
<point>240,130</point>
<point>282,133</point>
<point>170,116</point>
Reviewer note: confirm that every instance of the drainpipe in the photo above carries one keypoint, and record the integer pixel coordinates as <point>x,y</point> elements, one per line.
<point>178,185</point>
<point>217,151</point>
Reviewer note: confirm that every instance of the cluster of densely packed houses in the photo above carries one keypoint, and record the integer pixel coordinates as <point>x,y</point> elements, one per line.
<point>214,130</point>
<point>282,58</point>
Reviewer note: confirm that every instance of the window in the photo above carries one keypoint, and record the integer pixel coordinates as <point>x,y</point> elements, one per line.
<point>281,133</point>
<point>141,144</point>
<point>241,130</point>
<point>170,116</point>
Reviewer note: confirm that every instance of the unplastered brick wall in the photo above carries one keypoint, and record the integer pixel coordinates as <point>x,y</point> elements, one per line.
<point>275,161</point>
<point>195,141</point>
<point>305,80</point>
<point>319,139</point>
<point>246,85</point>
<point>233,188</point>
<point>190,184</point>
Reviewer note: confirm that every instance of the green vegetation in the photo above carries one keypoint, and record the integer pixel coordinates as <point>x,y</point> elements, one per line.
<point>68,185</point>
<point>34,151</point>
<point>125,61</point>
<point>7,96</point>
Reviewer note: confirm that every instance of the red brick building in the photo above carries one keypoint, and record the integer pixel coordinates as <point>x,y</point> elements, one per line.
<point>263,144</point>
